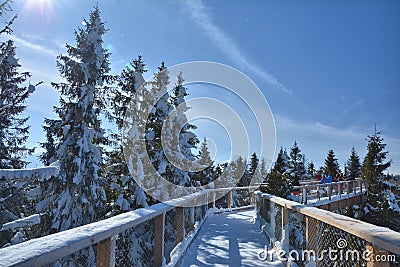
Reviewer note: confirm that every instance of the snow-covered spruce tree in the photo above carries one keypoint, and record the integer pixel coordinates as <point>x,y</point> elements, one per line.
<point>122,191</point>
<point>296,168</point>
<point>373,164</point>
<point>278,180</point>
<point>50,145</point>
<point>282,161</point>
<point>187,140</point>
<point>253,163</point>
<point>311,170</point>
<point>263,169</point>
<point>13,96</point>
<point>79,150</point>
<point>204,158</point>
<point>382,206</point>
<point>353,165</point>
<point>331,164</point>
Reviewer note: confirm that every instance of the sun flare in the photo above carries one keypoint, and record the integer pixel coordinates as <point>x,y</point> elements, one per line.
<point>40,7</point>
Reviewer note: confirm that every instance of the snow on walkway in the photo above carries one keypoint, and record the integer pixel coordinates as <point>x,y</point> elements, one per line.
<point>228,239</point>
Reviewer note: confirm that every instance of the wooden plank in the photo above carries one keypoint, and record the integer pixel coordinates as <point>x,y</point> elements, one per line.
<point>180,224</point>
<point>159,223</point>
<point>105,254</point>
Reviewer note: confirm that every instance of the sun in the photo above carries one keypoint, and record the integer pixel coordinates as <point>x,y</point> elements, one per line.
<point>43,8</point>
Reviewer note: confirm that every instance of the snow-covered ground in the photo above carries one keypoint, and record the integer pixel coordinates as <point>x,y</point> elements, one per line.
<point>229,239</point>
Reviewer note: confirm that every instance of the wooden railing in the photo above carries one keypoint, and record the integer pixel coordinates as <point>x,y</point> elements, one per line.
<point>320,230</point>
<point>103,234</point>
<point>341,189</point>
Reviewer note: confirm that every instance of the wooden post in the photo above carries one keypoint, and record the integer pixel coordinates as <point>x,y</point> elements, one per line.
<point>347,188</point>
<point>285,229</point>
<point>159,223</point>
<point>318,194</point>
<point>305,195</point>
<point>180,224</point>
<point>213,195</point>
<point>203,207</point>
<point>381,256</point>
<point>230,199</point>
<point>354,186</point>
<point>105,256</point>
<point>330,191</point>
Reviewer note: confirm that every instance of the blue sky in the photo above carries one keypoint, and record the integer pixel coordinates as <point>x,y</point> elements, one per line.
<point>329,69</point>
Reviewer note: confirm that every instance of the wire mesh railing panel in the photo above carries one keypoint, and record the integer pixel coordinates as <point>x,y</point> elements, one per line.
<point>170,232</point>
<point>267,212</point>
<point>83,258</point>
<point>135,246</point>
<point>278,221</point>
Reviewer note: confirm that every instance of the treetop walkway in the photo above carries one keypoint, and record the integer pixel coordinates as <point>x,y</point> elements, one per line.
<point>245,228</point>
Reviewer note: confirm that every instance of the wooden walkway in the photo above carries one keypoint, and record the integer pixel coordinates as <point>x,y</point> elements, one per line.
<point>228,239</point>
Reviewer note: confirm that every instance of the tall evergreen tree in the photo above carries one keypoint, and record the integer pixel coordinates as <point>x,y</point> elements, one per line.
<point>382,205</point>
<point>206,175</point>
<point>13,96</point>
<point>311,170</point>
<point>122,191</point>
<point>373,164</point>
<point>79,150</point>
<point>282,162</point>
<point>277,184</point>
<point>253,164</point>
<point>187,140</point>
<point>331,164</point>
<point>297,169</point>
<point>263,169</point>
<point>353,165</point>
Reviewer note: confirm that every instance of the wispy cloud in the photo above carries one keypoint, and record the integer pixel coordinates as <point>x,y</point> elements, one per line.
<point>317,138</point>
<point>222,40</point>
<point>34,46</point>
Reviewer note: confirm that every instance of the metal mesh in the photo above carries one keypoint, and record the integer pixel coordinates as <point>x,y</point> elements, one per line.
<point>267,214</point>
<point>136,246</point>
<point>278,222</point>
<point>346,249</point>
<point>83,258</point>
<point>169,233</point>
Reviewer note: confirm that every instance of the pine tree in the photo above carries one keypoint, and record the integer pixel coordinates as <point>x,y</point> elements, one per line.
<point>282,162</point>
<point>277,184</point>
<point>331,164</point>
<point>353,165</point>
<point>50,145</point>
<point>187,140</point>
<point>311,170</point>
<point>122,191</point>
<point>13,96</point>
<point>263,169</point>
<point>297,168</point>
<point>381,201</point>
<point>253,164</point>
<point>206,175</point>
<point>79,149</point>
<point>373,164</point>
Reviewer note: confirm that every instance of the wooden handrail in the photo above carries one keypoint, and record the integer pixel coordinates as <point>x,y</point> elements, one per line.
<point>382,237</point>
<point>50,248</point>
